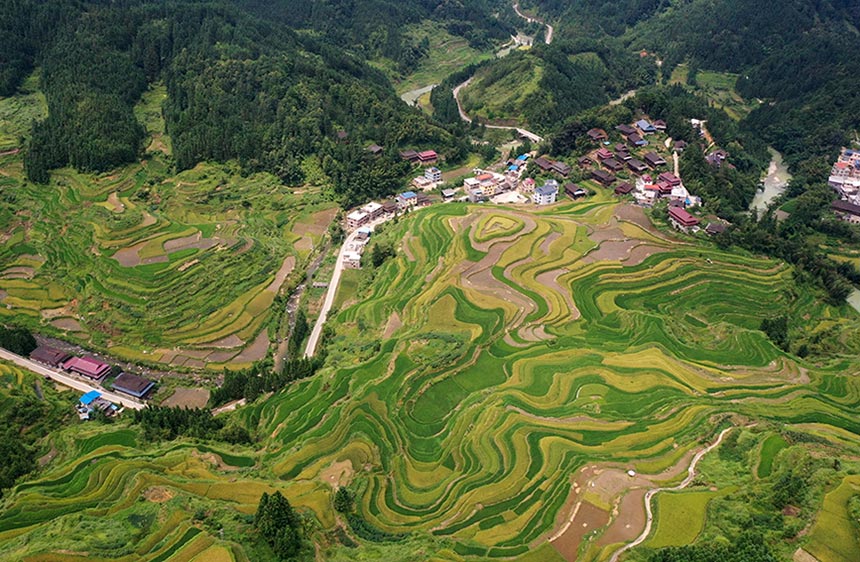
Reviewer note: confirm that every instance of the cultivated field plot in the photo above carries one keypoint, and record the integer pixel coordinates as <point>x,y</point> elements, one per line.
<point>150,266</point>
<point>526,345</point>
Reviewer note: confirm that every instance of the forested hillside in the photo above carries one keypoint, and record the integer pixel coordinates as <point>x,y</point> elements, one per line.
<point>239,88</point>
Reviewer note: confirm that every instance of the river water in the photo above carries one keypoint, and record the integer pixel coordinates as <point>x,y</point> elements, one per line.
<point>774,183</point>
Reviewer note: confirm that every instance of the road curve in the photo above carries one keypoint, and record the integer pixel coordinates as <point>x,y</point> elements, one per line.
<point>528,134</point>
<point>69,381</point>
<point>691,474</point>
<point>549,29</point>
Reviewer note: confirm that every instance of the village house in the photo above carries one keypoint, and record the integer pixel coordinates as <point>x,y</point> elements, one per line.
<point>845,175</point>
<point>636,140</point>
<point>433,174</point>
<point>603,154</point>
<point>623,188</point>
<point>682,220</point>
<point>637,166</point>
<point>427,157</point>
<point>49,356</point>
<point>597,135</point>
<point>527,187</point>
<point>584,162</point>
<point>680,145</point>
<point>448,194</point>
<point>352,260</point>
<point>422,200</point>
<point>625,130</point>
<point>670,178</point>
<point>373,210</point>
<point>92,401</point>
<point>421,183</point>
<point>546,194</point>
<point>645,127</point>
<point>89,367</point>
<point>654,160</point>
<point>623,154</point>
<point>574,191</point>
<point>389,208</point>
<point>133,385</point>
<point>355,219</point>
<point>613,165</point>
<point>547,165</point>
<point>715,228</point>
<point>604,178</point>
<point>409,155</point>
<point>659,124</point>
<point>406,200</point>
<point>374,149</point>
<point>717,158</point>
<point>846,211</point>
<point>560,168</point>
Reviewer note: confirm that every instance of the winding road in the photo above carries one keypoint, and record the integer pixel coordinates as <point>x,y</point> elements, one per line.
<point>522,132</point>
<point>69,381</point>
<point>691,474</point>
<point>549,29</point>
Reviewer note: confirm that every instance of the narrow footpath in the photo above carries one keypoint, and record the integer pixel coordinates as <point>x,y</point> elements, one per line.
<point>691,475</point>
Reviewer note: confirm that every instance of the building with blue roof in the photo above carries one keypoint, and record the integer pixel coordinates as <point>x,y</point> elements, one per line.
<point>645,126</point>
<point>89,397</point>
<point>523,157</point>
<point>406,200</point>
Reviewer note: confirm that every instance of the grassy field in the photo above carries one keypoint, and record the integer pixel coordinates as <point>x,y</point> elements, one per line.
<point>680,518</point>
<point>834,536</point>
<point>148,265</point>
<point>447,53</point>
<point>718,87</point>
<point>525,346</point>
<point>771,446</point>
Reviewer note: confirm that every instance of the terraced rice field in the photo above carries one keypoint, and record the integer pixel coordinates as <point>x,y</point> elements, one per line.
<point>532,363</point>
<point>526,350</point>
<point>151,266</point>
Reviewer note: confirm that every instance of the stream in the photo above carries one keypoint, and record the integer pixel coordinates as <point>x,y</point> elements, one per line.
<point>774,183</point>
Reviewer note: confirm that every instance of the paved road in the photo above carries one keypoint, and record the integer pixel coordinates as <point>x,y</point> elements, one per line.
<point>549,29</point>
<point>69,381</point>
<point>311,348</point>
<point>528,134</point>
<point>412,96</point>
<point>691,474</point>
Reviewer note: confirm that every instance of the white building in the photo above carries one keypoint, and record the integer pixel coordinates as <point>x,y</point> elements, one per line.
<point>545,194</point>
<point>433,174</point>
<point>356,219</point>
<point>373,210</point>
<point>352,260</point>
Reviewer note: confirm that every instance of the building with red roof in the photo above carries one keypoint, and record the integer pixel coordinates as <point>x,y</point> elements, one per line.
<point>681,219</point>
<point>87,366</point>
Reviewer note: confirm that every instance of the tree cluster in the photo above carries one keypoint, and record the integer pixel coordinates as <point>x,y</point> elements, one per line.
<point>280,526</point>
<point>161,423</point>
<point>260,378</point>
<point>17,340</point>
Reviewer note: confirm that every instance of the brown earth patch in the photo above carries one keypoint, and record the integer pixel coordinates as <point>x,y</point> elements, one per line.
<point>193,241</point>
<point>318,224</point>
<point>801,555</point>
<point>129,257</point>
<point>585,519</point>
<point>18,272</point>
<point>605,234</point>
<point>337,474</point>
<point>629,519</point>
<point>439,265</point>
<point>282,274</point>
<point>230,341</point>
<point>148,220</point>
<point>188,398</point>
<point>304,244</point>
<point>642,252</point>
<point>114,201</point>
<point>611,250</point>
<point>154,259</point>
<point>405,246</point>
<point>158,494</point>
<point>547,242</point>
<point>392,326</point>
<point>48,457</point>
<point>3,294</point>
<point>255,351</point>
<point>68,324</point>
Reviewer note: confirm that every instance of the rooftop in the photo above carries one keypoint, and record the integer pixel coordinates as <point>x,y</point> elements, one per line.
<point>132,384</point>
<point>88,398</point>
<point>547,189</point>
<point>408,195</point>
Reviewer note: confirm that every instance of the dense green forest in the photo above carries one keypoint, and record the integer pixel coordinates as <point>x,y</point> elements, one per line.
<point>239,88</point>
